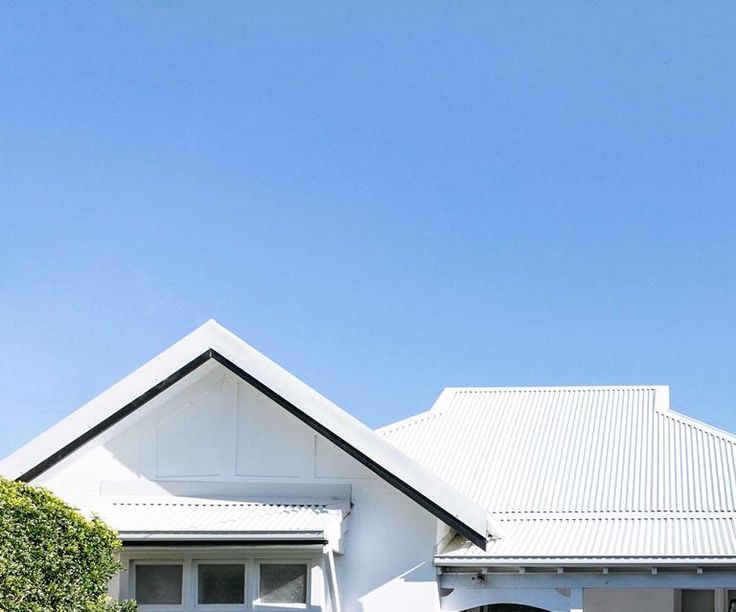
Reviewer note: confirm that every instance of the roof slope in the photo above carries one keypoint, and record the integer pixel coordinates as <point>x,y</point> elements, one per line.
<point>581,466</point>
<point>574,539</point>
<point>211,341</point>
<point>188,515</point>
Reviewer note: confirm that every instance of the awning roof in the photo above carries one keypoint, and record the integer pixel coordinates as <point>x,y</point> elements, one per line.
<point>195,519</point>
<point>664,538</point>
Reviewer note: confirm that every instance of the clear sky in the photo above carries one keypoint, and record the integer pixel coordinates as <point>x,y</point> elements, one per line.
<point>386,198</point>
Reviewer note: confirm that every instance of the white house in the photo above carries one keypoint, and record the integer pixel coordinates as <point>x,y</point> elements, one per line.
<point>235,486</point>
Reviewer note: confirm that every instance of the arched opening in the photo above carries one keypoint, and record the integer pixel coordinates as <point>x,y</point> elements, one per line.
<point>509,600</point>
<point>506,607</point>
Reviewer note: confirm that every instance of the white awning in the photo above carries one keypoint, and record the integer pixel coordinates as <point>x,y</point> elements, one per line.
<point>184,519</point>
<point>584,539</point>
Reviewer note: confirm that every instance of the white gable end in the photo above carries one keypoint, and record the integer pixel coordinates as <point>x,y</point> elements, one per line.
<point>190,439</point>
<point>214,428</point>
<point>214,458</point>
<point>212,346</point>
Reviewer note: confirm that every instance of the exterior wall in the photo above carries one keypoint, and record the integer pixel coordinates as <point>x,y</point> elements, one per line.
<point>548,599</point>
<point>388,560</point>
<point>603,600</point>
<point>213,435</point>
<point>629,600</point>
<point>695,596</point>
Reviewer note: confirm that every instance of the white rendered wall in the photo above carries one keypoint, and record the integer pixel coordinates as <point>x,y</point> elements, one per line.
<point>629,600</point>
<point>212,434</point>
<point>565,600</point>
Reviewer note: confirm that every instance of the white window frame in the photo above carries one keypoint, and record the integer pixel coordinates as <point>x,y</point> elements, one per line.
<point>259,605</point>
<point>249,556</point>
<point>185,586</point>
<point>220,607</point>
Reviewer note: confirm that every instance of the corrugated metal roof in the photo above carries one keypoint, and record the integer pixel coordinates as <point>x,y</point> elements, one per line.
<point>612,459</point>
<point>589,537</point>
<point>207,516</point>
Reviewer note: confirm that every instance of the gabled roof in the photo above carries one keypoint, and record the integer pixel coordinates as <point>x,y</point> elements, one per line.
<point>581,472</point>
<point>211,341</point>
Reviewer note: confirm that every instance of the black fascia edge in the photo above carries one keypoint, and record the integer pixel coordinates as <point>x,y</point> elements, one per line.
<point>162,543</point>
<point>442,514</point>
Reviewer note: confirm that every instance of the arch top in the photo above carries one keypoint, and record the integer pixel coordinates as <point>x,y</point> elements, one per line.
<point>506,607</point>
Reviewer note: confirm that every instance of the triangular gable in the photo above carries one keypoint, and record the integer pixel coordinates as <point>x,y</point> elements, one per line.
<point>211,342</point>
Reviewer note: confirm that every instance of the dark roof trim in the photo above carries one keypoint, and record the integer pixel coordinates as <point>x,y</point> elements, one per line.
<point>178,543</point>
<point>442,514</point>
<point>115,417</point>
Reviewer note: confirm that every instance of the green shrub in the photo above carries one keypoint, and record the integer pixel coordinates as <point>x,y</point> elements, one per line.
<point>51,557</point>
<point>121,606</point>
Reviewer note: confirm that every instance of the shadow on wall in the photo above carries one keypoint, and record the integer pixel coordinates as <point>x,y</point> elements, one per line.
<point>389,549</point>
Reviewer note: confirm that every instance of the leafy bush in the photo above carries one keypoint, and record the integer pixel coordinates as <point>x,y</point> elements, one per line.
<point>51,557</point>
<point>121,606</point>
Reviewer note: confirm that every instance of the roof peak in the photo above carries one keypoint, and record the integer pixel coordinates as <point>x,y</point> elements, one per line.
<point>661,392</point>
<point>211,342</point>
<point>563,388</point>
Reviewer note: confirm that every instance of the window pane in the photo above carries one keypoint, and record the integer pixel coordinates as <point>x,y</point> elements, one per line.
<point>158,584</point>
<point>697,601</point>
<point>283,583</point>
<point>219,583</point>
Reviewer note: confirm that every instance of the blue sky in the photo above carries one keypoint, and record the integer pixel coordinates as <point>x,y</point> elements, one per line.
<point>386,199</point>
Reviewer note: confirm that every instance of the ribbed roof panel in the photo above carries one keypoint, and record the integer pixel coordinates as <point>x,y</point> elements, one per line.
<point>188,515</point>
<point>627,538</point>
<point>579,449</point>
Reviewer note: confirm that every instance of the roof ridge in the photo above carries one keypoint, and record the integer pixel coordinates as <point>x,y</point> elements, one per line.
<point>492,389</point>
<point>408,422</point>
<point>685,419</point>
<point>660,403</point>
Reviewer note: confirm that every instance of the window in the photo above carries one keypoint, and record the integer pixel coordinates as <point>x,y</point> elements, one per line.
<point>693,600</point>
<point>283,583</point>
<point>221,583</point>
<point>157,584</point>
